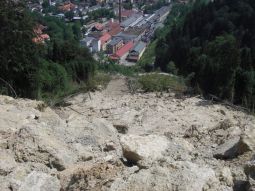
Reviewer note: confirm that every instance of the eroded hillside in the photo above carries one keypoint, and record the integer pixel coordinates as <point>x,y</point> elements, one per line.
<point>117,141</point>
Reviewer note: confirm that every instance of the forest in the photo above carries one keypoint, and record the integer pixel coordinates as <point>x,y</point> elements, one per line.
<point>213,45</point>
<point>40,70</point>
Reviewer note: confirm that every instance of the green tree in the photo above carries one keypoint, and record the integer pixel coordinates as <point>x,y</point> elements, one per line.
<point>18,54</point>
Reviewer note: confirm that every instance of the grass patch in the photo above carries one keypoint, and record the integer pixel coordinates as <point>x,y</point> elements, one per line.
<point>157,82</point>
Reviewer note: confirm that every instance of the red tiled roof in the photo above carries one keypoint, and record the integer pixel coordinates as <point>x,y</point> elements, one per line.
<point>105,38</point>
<point>115,31</point>
<point>123,50</point>
<point>67,7</point>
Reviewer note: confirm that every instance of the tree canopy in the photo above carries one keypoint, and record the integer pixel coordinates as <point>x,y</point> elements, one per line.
<point>215,42</point>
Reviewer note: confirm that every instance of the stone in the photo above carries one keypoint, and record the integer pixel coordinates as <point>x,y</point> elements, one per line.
<point>249,170</point>
<point>38,144</point>
<point>247,140</point>
<point>18,176</point>
<point>226,176</point>
<point>7,162</point>
<point>227,150</point>
<point>149,147</point>
<point>4,184</point>
<point>39,181</point>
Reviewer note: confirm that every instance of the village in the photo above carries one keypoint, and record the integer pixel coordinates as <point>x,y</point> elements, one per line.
<point>120,35</point>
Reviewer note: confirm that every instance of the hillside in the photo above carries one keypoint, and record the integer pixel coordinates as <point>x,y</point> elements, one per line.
<point>114,140</point>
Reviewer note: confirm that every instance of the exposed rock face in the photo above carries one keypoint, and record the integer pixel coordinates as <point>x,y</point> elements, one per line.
<point>117,141</point>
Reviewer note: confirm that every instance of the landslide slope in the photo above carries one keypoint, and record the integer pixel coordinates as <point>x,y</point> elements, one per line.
<point>114,140</point>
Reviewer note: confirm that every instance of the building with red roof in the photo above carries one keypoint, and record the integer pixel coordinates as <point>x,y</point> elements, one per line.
<point>104,40</point>
<point>122,51</point>
<point>68,6</point>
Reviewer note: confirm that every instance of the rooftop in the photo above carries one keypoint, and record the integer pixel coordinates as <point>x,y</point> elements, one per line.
<point>134,18</point>
<point>139,47</point>
<point>115,41</point>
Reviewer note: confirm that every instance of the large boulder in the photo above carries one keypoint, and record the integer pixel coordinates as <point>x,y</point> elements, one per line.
<point>39,181</point>
<point>37,143</point>
<point>227,150</point>
<point>136,148</point>
<point>237,145</point>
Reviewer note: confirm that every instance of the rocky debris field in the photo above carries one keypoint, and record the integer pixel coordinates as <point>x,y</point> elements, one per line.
<point>112,140</point>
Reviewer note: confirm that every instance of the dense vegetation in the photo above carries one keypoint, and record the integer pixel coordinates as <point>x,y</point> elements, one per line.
<point>215,46</point>
<point>40,70</point>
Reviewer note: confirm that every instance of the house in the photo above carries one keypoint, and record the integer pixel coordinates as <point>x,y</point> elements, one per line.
<point>104,40</point>
<point>114,45</point>
<point>122,51</point>
<point>67,6</point>
<point>136,53</point>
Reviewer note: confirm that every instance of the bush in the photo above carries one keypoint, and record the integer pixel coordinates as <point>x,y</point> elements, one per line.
<point>52,78</point>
